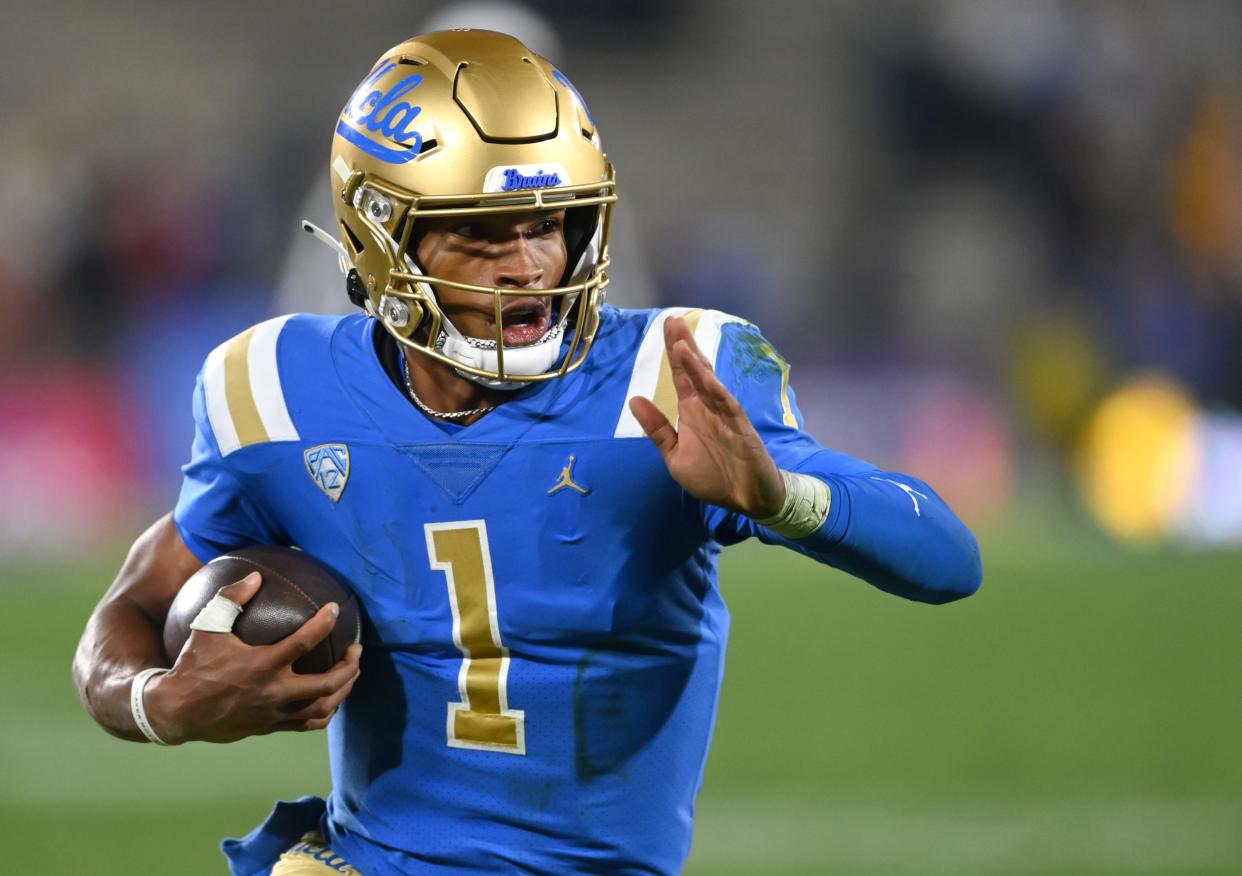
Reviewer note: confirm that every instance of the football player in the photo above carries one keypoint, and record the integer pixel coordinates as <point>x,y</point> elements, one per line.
<point>528,490</point>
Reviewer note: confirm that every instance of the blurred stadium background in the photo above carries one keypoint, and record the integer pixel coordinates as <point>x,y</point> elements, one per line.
<point>1001,242</point>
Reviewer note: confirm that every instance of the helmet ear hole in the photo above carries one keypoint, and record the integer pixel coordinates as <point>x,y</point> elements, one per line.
<point>354,243</point>
<point>580,225</point>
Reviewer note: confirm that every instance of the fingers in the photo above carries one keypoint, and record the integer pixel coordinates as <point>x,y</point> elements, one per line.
<point>677,334</point>
<point>703,380</point>
<point>318,712</point>
<point>321,724</point>
<point>300,688</point>
<point>654,423</point>
<point>239,592</point>
<point>242,591</point>
<point>693,374</point>
<point>676,329</point>
<point>305,637</point>
<point>693,379</point>
<point>323,708</point>
<point>682,382</point>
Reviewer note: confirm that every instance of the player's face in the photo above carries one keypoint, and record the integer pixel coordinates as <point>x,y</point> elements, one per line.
<point>513,251</point>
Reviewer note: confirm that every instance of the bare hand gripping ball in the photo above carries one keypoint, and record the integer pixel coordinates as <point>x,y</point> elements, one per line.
<point>294,587</point>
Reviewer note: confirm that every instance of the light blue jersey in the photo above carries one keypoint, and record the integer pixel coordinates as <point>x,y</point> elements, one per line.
<point>544,638</point>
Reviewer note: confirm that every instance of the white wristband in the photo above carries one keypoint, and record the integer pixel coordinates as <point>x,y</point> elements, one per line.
<point>807,501</point>
<point>136,706</point>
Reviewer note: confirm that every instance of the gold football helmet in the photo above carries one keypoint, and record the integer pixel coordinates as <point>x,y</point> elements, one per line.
<point>464,123</point>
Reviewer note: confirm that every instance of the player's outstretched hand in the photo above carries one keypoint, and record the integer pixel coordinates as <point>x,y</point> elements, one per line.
<point>221,689</point>
<point>714,451</point>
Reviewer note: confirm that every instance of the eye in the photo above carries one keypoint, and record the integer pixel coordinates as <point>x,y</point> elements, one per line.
<point>469,230</point>
<point>544,227</point>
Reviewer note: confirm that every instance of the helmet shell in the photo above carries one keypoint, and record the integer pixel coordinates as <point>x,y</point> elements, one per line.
<point>463,122</point>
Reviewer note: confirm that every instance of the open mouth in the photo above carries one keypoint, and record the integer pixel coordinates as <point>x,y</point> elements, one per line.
<point>524,321</point>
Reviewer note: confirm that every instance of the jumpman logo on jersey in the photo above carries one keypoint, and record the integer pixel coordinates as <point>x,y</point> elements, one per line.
<point>566,479</point>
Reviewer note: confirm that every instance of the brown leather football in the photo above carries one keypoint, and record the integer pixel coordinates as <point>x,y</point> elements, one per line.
<point>294,587</point>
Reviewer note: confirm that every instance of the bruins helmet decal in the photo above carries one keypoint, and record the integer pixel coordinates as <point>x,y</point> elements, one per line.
<point>467,123</point>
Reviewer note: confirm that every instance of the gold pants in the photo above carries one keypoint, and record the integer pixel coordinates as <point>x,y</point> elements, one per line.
<point>311,857</point>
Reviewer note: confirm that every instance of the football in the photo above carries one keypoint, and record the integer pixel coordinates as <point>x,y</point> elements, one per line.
<point>294,587</point>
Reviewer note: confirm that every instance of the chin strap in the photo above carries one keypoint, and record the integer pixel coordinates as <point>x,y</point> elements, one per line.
<point>536,358</point>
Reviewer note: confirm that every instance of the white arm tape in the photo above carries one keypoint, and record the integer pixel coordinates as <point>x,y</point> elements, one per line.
<point>217,616</point>
<point>137,706</point>
<point>807,501</point>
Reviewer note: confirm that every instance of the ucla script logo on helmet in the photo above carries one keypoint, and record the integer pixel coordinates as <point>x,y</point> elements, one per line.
<point>372,109</point>
<point>328,465</point>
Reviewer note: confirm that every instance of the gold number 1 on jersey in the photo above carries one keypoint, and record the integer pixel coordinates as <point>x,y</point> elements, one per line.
<point>482,719</point>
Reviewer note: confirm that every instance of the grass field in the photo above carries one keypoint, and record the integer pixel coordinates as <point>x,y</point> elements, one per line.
<point>1081,715</point>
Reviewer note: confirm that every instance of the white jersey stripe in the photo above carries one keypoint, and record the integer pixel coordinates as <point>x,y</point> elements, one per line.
<point>265,381</point>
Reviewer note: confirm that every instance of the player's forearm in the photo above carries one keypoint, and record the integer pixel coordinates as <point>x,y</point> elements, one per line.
<point>120,641</point>
<point>896,533</point>
<point>125,633</point>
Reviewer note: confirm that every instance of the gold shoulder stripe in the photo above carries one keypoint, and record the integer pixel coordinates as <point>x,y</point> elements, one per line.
<point>237,391</point>
<point>789,419</point>
<point>245,399</point>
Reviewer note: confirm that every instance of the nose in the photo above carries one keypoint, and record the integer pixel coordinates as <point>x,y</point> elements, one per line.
<point>519,266</point>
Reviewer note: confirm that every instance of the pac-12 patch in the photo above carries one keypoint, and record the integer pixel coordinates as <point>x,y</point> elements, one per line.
<point>328,465</point>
